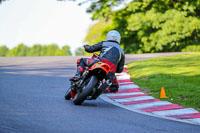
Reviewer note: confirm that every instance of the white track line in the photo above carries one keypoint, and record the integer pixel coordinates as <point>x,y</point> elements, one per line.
<point>123,77</point>
<point>195,120</point>
<point>124,94</point>
<point>134,99</point>
<point>175,112</point>
<point>128,86</point>
<point>146,105</point>
<point>125,83</point>
<point>121,74</point>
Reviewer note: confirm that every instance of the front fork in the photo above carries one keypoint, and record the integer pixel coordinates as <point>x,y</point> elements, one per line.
<point>76,86</point>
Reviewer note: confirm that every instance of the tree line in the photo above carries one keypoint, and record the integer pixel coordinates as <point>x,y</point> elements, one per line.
<point>148,26</point>
<point>40,50</point>
<point>36,50</point>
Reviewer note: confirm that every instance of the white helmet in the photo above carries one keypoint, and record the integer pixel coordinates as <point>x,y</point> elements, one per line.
<point>113,35</point>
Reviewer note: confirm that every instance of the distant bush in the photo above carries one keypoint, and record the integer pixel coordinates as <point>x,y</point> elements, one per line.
<point>192,48</point>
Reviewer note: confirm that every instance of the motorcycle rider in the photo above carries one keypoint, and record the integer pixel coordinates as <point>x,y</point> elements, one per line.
<point>110,53</point>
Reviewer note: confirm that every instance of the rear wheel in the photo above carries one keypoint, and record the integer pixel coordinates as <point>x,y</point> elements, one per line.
<point>68,94</point>
<point>87,89</point>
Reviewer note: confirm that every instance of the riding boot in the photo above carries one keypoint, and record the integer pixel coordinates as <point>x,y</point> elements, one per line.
<point>78,74</point>
<point>112,89</point>
<point>103,87</point>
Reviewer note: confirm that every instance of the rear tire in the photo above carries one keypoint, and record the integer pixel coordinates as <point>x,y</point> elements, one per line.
<point>68,94</point>
<point>80,97</point>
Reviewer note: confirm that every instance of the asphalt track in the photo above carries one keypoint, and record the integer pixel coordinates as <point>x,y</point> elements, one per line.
<point>32,100</point>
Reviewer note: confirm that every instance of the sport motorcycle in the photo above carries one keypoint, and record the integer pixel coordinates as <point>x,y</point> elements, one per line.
<point>88,87</point>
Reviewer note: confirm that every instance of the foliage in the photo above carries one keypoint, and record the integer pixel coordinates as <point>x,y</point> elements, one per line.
<point>3,50</point>
<point>100,8</point>
<point>159,32</point>
<point>66,50</point>
<point>51,49</point>
<point>179,75</point>
<point>97,32</point>
<point>80,51</point>
<point>103,8</point>
<point>36,50</point>
<point>150,25</point>
<point>20,50</point>
<point>192,48</point>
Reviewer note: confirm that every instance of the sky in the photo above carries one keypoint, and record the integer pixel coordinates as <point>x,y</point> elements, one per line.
<point>43,22</point>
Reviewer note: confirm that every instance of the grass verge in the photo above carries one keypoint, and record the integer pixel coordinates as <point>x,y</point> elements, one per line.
<point>179,75</point>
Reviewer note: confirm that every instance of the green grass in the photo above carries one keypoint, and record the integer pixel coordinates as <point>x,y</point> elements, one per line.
<point>179,75</point>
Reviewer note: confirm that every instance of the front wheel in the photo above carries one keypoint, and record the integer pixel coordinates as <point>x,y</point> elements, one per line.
<point>87,89</point>
<point>68,94</point>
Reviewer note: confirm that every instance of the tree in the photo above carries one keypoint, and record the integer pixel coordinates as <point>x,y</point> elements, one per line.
<point>59,52</point>
<point>35,50</point>
<point>98,31</point>
<point>80,51</point>
<point>150,25</point>
<point>100,8</point>
<point>66,50</point>
<point>20,50</point>
<point>3,50</point>
<point>51,49</point>
<point>44,50</point>
<point>159,26</point>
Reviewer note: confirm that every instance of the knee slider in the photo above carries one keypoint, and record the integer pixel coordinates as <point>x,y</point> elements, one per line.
<point>80,68</point>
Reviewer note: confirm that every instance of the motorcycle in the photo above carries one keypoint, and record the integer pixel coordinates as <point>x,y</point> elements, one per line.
<point>89,86</point>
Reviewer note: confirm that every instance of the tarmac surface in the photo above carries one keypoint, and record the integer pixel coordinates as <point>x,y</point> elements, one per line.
<point>32,100</point>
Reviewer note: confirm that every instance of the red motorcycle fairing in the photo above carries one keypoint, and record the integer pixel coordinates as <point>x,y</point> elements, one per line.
<point>102,66</point>
<point>99,65</point>
<point>73,93</point>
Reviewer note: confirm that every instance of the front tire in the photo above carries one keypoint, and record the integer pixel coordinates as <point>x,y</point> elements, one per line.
<point>80,97</point>
<point>68,94</point>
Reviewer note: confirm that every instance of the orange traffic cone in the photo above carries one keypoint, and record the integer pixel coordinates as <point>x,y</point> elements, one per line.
<point>162,93</point>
